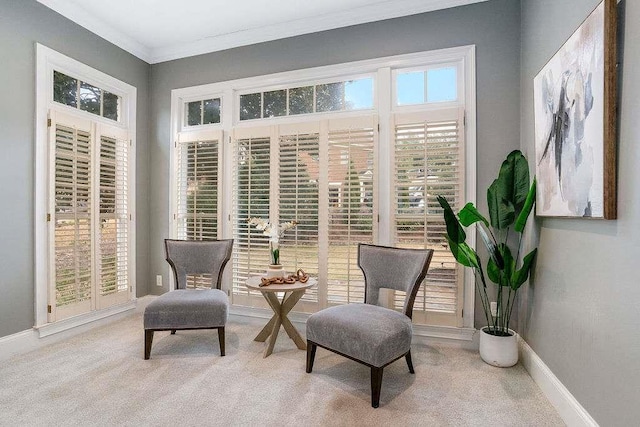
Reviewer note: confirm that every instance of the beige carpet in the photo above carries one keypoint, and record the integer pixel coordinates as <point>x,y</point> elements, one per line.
<point>100,378</point>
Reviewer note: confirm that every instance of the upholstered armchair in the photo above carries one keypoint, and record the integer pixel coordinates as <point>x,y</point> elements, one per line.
<point>184,308</point>
<point>369,333</point>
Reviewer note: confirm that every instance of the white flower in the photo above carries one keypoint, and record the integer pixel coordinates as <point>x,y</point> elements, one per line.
<point>274,232</point>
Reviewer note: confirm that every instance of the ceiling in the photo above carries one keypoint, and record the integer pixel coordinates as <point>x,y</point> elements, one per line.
<point>162,30</point>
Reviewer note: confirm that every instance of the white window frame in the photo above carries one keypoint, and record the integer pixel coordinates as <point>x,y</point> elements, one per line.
<point>201,97</point>
<point>48,60</point>
<point>460,87</point>
<point>382,70</point>
<point>262,88</point>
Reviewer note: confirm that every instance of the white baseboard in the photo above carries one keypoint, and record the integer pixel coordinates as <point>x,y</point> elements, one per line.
<point>572,413</point>
<point>32,339</point>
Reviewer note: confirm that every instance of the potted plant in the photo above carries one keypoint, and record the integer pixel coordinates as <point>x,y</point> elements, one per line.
<point>510,199</point>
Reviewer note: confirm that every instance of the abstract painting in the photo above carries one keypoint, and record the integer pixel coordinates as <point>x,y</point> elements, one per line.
<point>575,120</point>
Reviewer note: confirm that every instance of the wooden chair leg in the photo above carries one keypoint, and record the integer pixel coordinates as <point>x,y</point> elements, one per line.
<point>311,355</point>
<point>409,362</point>
<point>148,340</point>
<point>221,340</point>
<point>173,332</point>
<point>376,385</point>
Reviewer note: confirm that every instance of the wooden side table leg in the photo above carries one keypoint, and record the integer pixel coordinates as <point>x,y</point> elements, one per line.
<point>272,338</point>
<point>266,331</point>
<point>286,307</point>
<point>276,307</point>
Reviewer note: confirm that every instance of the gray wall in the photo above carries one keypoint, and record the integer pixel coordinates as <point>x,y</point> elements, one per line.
<point>22,24</point>
<point>580,313</point>
<point>494,27</point>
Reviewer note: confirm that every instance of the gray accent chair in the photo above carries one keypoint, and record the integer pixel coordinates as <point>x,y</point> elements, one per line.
<point>368,333</point>
<point>184,308</point>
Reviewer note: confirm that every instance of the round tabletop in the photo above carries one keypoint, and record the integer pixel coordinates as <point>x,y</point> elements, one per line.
<point>253,282</point>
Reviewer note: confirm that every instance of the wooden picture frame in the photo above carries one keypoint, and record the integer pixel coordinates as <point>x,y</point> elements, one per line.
<point>575,111</point>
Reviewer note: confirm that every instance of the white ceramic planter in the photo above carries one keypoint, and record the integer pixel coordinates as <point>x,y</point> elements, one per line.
<point>498,351</point>
<point>274,271</point>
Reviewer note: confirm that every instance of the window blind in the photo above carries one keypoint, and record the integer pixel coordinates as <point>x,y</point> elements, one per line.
<point>350,216</point>
<point>72,219</point>
<point>197,214</point>
<point>428,161</point>
<point>251,198</point>
<point>298,198</point>
<point>90,257</point>
<point>114,220</point>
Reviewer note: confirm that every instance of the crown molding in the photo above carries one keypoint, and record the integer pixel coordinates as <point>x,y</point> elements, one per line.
<point>359,15</point>
<point>88,21</point>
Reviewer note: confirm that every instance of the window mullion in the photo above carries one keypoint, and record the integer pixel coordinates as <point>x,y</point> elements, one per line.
<point>94,191</point>
<point>323,218</point>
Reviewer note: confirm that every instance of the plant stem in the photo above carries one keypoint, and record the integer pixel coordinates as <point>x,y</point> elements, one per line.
<point>483,293</point>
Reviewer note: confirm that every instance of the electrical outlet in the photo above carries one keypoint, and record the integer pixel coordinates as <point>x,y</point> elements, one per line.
<point>159,280</point>
<point>494,308</point>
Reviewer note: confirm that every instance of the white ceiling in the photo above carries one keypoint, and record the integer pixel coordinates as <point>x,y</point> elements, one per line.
<point>162,30</point>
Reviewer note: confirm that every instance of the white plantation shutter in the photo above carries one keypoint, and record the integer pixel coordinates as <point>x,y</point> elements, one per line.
<point>198,170</point>
<point>113,205</point>
<point>351,213</point>
<point>72,234</point>
<point>298,198</point>
<point>197,216</point>
<point>251,197</point>
<point>90,222</point>
<point>429,161</point>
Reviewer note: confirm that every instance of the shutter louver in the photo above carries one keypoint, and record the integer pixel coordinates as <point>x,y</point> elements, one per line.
<point>198,190</point>
<point>250,199</point>
<point>428,162</point>
<point>298,200</point>
<point>350,213</point>
<point>72,216</point>
<point>197,213</point>
<point>114,216</point>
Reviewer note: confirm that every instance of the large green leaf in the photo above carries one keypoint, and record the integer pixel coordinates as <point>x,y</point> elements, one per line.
<point>493,272</point>
<point>491,245</point>
<point>507,194</point>
<point>470,215</point>
<point>521,221</point>
<point>501,211</point>
<point>500,275</point>
<point>521,276</point>
<point>514,179</point>
<point>464,254</point>
<point>455,232</point>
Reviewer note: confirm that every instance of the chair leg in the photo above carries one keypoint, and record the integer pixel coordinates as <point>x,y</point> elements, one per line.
<point>409,362</point>
<point>173,332</point>
<point>221,340</point>
<point>376,385</point>
<point>148,340</point>
<point>311,355</point>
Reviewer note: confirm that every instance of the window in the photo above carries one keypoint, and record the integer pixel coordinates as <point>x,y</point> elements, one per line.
<point>251,198</point>
<point>197,214</point>
<point>84,96</point>
<point>427,86</point>
<point>428,161</point>
<point>347,175</point>
<point>84,158</point>
<point>351,221</point>
<point>203,112</point>
<point>325,241</point>
<point>345,95</point>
